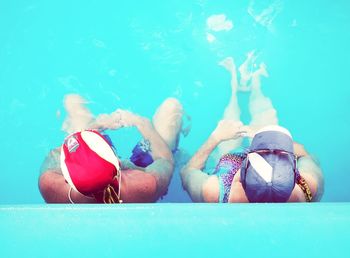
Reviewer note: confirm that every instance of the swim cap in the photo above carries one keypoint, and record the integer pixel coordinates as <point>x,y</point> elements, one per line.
<point>268,171</point>
<point>89,164</point>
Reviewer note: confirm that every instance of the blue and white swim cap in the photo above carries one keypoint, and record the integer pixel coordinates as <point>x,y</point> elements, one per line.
<point>268,171</point>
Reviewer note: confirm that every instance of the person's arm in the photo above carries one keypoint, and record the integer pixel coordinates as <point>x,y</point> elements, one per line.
<point>192,175</point>
<point>194,180</point>
<point>54,189</point>
<point>52,185</point>
<point>123,118</point>
<point>163,165</point>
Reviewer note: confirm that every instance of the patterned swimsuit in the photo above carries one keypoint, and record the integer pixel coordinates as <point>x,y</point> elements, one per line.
<point>226,170</point>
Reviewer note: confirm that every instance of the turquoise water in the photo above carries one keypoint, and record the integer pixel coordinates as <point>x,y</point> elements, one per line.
<point>133,55</point>
<point>176,230</point>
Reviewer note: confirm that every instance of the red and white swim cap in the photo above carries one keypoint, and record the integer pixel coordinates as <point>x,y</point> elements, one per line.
<point>89,164</point>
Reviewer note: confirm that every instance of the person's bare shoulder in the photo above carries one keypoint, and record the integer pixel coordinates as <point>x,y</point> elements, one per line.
<point>310,170</point>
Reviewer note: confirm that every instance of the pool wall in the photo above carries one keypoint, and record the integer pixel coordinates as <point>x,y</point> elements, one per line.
<point>176,230</point>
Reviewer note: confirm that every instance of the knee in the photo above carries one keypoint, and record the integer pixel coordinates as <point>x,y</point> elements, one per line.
<point>173,104</point>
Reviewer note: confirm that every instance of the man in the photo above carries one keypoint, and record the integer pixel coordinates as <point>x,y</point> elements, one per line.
<point>83,170</point>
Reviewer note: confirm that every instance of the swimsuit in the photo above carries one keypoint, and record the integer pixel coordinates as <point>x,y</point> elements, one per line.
<point>226,170</point>
<point>141,154</point>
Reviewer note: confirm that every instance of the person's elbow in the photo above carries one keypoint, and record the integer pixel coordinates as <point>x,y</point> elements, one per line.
<point>53,187</point>
<point>210,190</point>
<point>168,155</point>
<point>192,182</point>
<point>183,174</point>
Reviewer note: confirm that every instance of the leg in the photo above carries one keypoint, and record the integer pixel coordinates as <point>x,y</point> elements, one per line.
<point>167,121</point>
<point>232,110</point>
<point>261,109</point>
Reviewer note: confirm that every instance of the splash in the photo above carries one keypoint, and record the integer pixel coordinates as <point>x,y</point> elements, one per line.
<point>98,43</point>
<point>219,22</point>
<point>210,37</point>
<point>265,16</point>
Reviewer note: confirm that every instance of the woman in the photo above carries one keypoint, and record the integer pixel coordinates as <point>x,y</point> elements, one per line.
<point>273,169</point>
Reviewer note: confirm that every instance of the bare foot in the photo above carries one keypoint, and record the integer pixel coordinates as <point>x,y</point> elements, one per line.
<point>255,82</point>
<point>228,64</point>
<point>262,70</point>
<point>245,69</point>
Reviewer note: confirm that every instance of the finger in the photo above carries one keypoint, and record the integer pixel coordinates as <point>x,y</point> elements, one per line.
<point>245,128</point>
<point>117,116</point>
<point>238,123</point>
<point>243,134</point>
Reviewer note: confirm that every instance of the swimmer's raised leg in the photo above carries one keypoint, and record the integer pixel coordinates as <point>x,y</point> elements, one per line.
<point>261,109</point>
<point>232,110</point>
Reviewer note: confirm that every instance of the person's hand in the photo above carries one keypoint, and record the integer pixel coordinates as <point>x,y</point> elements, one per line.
<point>125,118</point>
<point>229,129</point>
<point>117,119</point>
<point>104,121</point>
<point>251,131</point>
